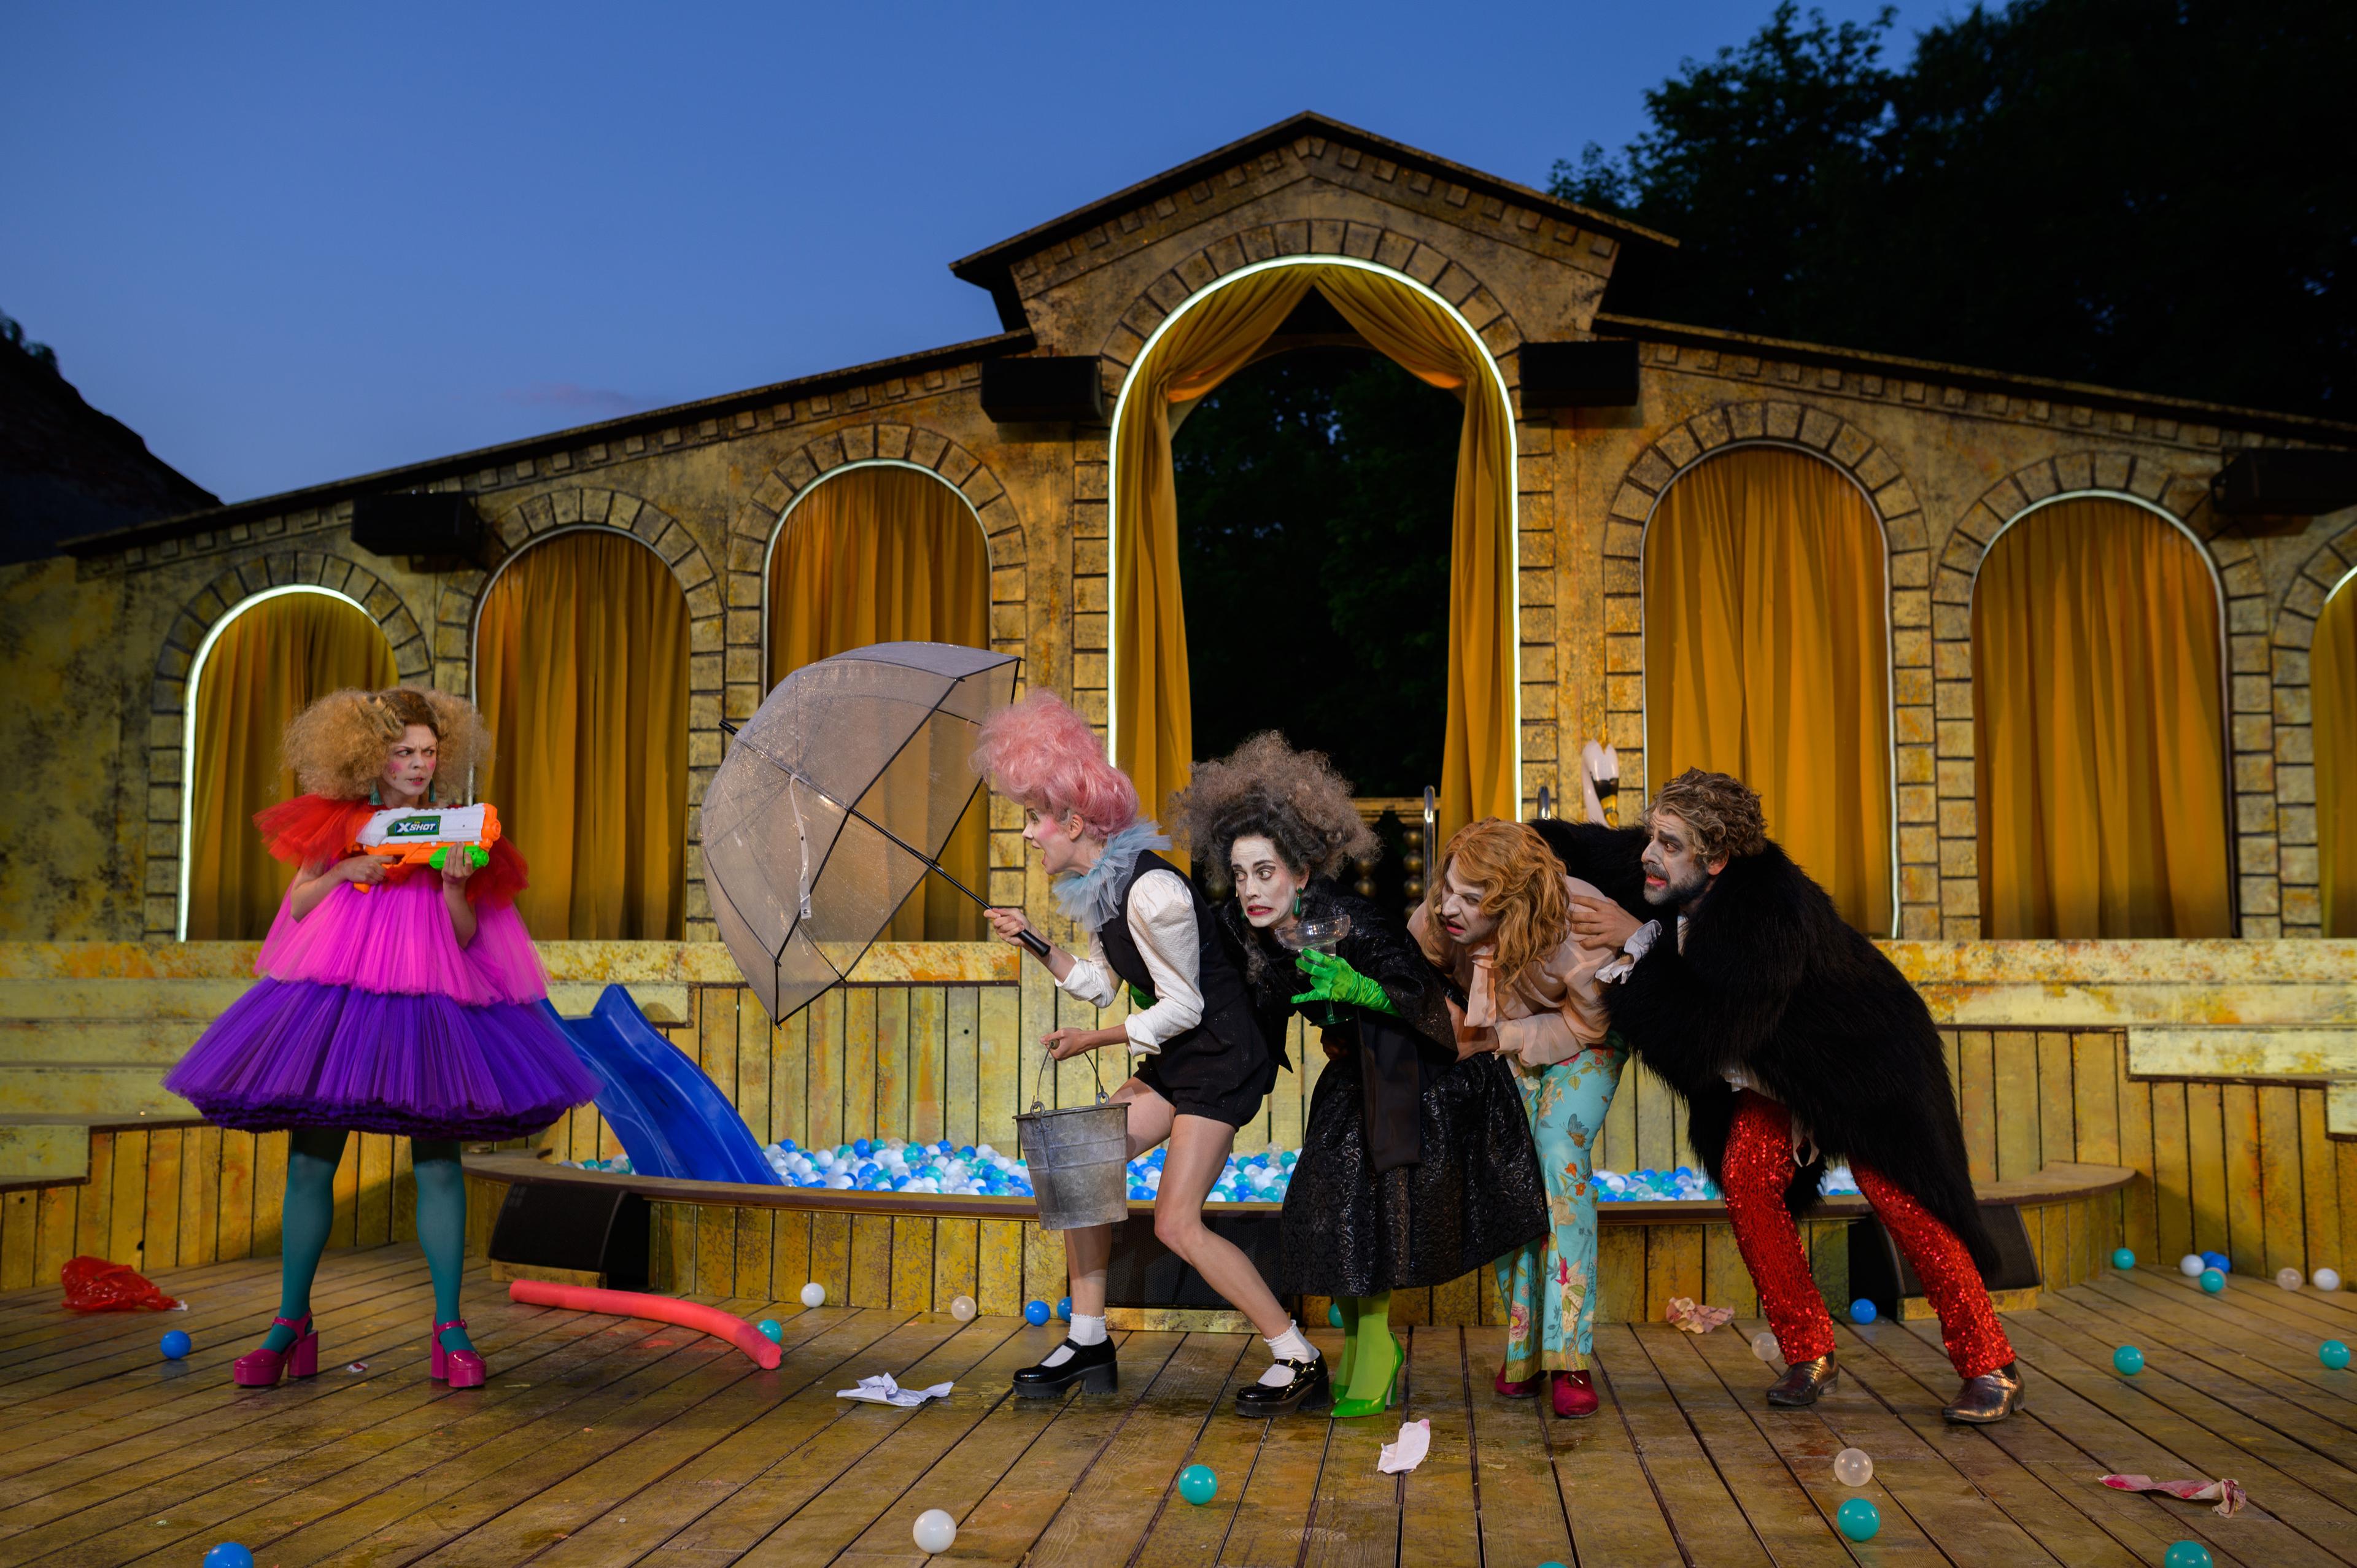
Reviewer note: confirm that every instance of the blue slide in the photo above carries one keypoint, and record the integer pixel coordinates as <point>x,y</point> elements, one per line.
<point>672,1120</point>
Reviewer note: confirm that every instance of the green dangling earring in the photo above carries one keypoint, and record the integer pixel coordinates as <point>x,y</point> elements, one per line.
<point>374,798</point>
<point>1296,902</point>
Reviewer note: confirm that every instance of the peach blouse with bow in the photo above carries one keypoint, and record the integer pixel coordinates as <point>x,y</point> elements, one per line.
<point>1553,1012</point>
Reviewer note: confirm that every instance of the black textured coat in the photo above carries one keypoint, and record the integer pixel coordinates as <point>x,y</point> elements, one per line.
<point>1772,980</point>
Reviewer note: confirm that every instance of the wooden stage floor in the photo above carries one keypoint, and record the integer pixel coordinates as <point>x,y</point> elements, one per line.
<point>608,1442</point>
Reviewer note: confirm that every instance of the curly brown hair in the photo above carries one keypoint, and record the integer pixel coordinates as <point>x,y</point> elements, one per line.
<point>1522,885</point>
<point>337,747</point>
<point>1719,809</point>
<point>1293,799</point>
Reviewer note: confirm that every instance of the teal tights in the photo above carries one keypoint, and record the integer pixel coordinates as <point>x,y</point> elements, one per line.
<point>312,1155</point>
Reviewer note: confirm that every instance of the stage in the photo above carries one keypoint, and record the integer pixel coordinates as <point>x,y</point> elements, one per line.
<point>606,1442</point>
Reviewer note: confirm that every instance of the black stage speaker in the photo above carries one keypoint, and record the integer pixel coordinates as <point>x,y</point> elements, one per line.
<point>437,523</point>
<point>2275,481</point>
<point>1580,375</point>
<point>583,1229</point>
<point>1879,1273</point>
<point>1042,391</point>
<point>1145,1272</point>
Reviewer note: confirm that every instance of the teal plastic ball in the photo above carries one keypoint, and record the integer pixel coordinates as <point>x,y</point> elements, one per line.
<point>229,1554</point>
<point>1199,1484</point>
<point>2123,1259</point>
<point>175,1345</point>
<point>1035,1313</point>
<point>772,1330</point>
<point>2212,1280</point>
<point>1334,1314</point>
<point>1861,1311</point>
<point>2186,1554</point>
<point>2129,1360</point>
<point>1859,1518</point>
<point>2334,1353</point>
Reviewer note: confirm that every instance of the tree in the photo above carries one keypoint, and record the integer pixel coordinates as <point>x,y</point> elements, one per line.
<point>2150,193</point>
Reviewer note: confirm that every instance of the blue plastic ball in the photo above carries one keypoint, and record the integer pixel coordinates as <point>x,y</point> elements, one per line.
<point>229,1554</point>
<point>2218,1261</point>
<point>1198,1484</point>
<point>176,1345</point>
<point>2127,1360</point>
<point>1035,1313</point>
<point>1861,1311</point>
<point>2212,1280</point>
<point>773,1330</point>
<point>2122,1259</point>
<point>1859,1518</point>
<point>1064,1308</point>
<point>862,1147</point>
<point>2186,1554</point>
<point>2334,1353</point>
<point>1334,1314</point>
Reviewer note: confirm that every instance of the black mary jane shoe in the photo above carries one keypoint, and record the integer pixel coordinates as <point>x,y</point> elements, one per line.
<point>1308,1386</point>
<point>1091,1365</point>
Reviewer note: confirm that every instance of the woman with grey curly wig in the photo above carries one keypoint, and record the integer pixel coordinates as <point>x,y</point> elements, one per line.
<point>1416,1164</point>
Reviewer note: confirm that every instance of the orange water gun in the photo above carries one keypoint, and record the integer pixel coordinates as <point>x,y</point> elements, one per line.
<point>409,836</point>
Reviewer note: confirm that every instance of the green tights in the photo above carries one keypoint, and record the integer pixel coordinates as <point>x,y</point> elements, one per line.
<point>312,1155</point>
<point>1370,1356</point>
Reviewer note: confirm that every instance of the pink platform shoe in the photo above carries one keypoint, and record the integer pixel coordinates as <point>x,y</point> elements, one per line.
<point>1574,1395</point>
<point>1523,1388</point>
<point>263,1369</point>
<point>459,1368</point>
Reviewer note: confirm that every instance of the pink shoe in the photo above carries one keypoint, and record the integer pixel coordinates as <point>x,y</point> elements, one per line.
<point>459,1368</point>
<point>1574,1395</point>
<point>1523,1390</point>
<point>263,1369</point>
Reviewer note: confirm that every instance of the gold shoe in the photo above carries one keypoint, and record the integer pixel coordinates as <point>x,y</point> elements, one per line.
<point>1990,1397</point>
<point>1803,1380</point>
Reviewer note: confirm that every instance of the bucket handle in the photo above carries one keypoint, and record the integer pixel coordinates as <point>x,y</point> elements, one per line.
<point>1095,1071</point>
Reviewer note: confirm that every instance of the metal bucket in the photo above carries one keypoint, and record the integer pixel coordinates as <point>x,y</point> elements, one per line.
<point>1079,1161</point>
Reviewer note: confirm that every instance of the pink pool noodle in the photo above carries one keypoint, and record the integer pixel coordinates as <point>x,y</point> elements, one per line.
<point>658,1308</point>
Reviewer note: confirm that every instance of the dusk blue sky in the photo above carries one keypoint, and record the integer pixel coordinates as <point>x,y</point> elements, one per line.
<point>295,245</point>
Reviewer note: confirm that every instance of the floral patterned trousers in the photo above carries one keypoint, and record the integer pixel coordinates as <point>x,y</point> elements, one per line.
<point>1549,1286</point>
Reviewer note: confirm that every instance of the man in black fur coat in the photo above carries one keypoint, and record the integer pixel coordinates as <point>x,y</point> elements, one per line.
<point>1792,1039</point>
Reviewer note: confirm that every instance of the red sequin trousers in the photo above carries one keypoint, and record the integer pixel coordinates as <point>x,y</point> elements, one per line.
<point>1758,1168</point>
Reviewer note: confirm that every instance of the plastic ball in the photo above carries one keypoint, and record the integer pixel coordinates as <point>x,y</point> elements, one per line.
<point>1764,1345</point>
<point>2334,1353</point>
<point>963,1310</point>
<point>1853,1467</point>
<point>936,1531</point>
<point>176,1345</point>
<point>2187,1554</point>
<point>2219,1261</point>
<point>1334,1314</point>
<point>2212,1280</point>
<point>2289,1279</point>
<point>1861,1311</point>
<point>772,1330</point>
<point>2122,1259</point>
<point>1064,1308</point>
<point>2325,1279</point>
<point>229,1554</point>
<point>1035,1313</point>
<point>2127,1360</point>
<point>1199,1484</point>
<point>1859,1518</point>
<point>813,1295</point>
<point>2191,1265</point>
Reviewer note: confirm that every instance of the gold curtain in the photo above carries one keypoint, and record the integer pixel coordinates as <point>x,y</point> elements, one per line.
<point>269,663</point>
<point>2099,720</point>
<point>1766,657</point>
<point>887,554</point>
<point>2332,669</point>
<point>581,671</point>
<point>1154,735</point>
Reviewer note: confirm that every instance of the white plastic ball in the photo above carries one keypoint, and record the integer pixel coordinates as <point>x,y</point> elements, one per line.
<point>936,1532</point>
<point>1764,1345</point>
<point>2325,1279</point>
<point>2191,1265</point>
<point>1852,1467</point>
<point>813,1295</point>
<point>963,1310</point>
<point>2287,1278</point>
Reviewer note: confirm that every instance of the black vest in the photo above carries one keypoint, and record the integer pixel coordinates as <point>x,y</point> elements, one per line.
<point>1227,1005</point>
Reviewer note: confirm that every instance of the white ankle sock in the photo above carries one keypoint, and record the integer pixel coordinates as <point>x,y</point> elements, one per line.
<point>1087,1330</point>
<point>1290,1345</point>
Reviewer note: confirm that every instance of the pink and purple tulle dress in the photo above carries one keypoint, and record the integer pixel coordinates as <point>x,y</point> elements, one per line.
<point>368,1015</point>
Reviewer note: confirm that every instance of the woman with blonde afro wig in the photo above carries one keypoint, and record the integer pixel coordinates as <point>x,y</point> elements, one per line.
<point>1415,1164</point>
<point>391,998</point>
<point>1202,1064</point>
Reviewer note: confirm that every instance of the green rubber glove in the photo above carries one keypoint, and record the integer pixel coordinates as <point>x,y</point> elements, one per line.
<point>1140,999</point>
<point>1332,979</point>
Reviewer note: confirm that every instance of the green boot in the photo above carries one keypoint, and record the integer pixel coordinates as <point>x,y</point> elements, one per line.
<point>1372,1381</point>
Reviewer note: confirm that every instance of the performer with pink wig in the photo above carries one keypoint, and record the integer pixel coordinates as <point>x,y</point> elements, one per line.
<point>1204,1063</point>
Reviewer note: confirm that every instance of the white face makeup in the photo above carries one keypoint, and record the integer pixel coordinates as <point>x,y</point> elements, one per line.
<point>1063,844</point>
<point>1460,909</point>
<point>1674,873</point>
<point>1266,885</point>
<point>409,766</point>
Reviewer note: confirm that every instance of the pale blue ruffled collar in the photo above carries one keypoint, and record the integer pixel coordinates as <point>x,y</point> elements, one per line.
<point>1093,898</point>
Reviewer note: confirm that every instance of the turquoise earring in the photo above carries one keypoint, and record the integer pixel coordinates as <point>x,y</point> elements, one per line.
<point>1297,901</point>
<point>375,799</point>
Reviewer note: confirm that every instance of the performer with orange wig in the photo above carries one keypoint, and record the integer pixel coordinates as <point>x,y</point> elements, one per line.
<point>1204,1063</point>
<point>392,998</point>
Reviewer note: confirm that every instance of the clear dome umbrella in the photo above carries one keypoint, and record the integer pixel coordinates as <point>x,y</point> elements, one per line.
<point>835,799</point>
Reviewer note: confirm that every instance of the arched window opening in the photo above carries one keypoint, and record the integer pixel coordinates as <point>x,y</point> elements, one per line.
<point>2333,696</point>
